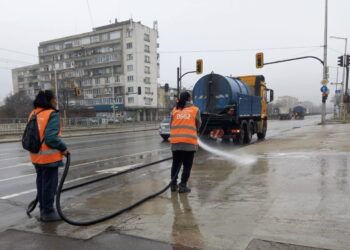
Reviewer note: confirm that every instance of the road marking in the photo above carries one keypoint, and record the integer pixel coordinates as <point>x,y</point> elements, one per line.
<point>100,172</point>
<point>88,163</point>
<point>6,197</point>
<point>12,158</point>
<point>18,165</point>
<point>16,177</point>
<point>118,169</point>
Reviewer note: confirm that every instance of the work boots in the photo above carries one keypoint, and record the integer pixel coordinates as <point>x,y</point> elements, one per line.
<point>183,188</point>
<point>50,217</point>
<point>174,187</point>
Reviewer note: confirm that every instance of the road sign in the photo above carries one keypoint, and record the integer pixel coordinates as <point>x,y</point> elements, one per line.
<point>338,91</point>
<point>324,89</point>
<point>324,81</point>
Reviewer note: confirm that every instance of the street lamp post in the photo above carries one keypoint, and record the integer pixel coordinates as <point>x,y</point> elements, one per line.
<point>342,111</point>
<point>56,87</point>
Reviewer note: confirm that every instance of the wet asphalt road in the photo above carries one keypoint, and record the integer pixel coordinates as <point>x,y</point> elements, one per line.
<point>92,155</point>
<point>95,156</point>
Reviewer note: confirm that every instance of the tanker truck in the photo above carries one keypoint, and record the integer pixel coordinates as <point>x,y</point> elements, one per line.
<point>299,112</point>
<point>232,107</point>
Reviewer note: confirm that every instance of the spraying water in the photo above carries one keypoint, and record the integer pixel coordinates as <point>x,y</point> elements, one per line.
<point>237,158</point>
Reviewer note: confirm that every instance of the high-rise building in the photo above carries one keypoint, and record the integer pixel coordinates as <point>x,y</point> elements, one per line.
<point>113,68</point>
<point>26,80</point>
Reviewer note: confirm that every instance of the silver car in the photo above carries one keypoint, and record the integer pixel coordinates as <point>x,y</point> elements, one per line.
<point>164,129</point>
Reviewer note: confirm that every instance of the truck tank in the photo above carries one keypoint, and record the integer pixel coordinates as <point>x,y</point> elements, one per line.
<point>213,93</point>
<point>299,112</point>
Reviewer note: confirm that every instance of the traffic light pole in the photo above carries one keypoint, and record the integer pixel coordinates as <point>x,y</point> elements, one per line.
<point>345,98</point>
<point>179,78</point>
<point>294,59</point>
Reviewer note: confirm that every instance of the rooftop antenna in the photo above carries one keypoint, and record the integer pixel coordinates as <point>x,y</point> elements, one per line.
<point>91,19</point>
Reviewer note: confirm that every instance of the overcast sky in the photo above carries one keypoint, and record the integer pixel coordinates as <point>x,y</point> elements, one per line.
<point>226,34</point>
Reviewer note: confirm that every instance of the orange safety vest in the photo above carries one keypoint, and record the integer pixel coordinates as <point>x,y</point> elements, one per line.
<point>183,126</point>
<point>46,154</point>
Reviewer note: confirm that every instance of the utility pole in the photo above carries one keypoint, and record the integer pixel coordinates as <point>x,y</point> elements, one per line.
<point>325,77</point>
<point>56,87</point>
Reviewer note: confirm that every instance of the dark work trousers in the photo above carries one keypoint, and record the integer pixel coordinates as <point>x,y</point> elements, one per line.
<point>46,184</point>
<point>184,158</point>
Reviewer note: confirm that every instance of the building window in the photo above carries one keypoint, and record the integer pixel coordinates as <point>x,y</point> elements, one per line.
<point>147,70</point>
<point>130,99</point>
<point>130,89</point>
<point>128,33</point>
<point>147,59</point>
<point>129,45</point>
<point>119,100</point>
<point>85,41</point>
<point>147,90</point>
<point>114,35</point>
<point>146,37</point>
<point>104,37</point>
<point>147,48</point>
<point>130,78</point>
<point>130,67</point>
<point>147,80</point>
<point>129,57</point>
<point>95,39</point>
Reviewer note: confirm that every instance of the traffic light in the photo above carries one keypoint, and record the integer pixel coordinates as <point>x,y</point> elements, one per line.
<point>77,91</point>
<point>139,90</point>
<point>166,87</point>
<point>324,97</point>
<point>259,60</point>
<point>347,61</point>
<point>199,66</point>
<point>341,61</point>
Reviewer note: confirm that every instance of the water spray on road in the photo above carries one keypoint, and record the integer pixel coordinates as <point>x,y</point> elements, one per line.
<point>237,158</point>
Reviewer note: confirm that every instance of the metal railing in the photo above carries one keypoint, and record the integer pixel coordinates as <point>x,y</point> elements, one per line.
<point>17,126</point>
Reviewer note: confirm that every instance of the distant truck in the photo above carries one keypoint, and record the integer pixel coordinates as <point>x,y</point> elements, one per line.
<point>232,107</point>
<point>285,113</point>
<point>299,112</point>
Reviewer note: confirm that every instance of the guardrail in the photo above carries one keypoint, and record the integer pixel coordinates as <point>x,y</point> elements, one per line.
<point>17,126</point>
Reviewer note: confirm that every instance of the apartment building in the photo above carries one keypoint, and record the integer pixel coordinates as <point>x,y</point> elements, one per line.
<point>26,80</point>
<point>115,67</point>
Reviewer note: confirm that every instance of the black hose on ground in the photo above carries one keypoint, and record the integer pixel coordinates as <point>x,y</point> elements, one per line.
<point>95,221</point>
<point>60,190</point>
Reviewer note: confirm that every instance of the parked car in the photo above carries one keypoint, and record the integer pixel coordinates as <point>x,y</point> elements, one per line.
<point>112,121</point>
<point>129,119</point>
<point>164,129</point>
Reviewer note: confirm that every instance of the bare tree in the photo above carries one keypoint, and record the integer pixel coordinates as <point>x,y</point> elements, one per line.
<point>18,105</point>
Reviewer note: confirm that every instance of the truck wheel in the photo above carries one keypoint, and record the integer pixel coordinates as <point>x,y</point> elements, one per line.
<point>239,140</point>
<point>248,133</point>
<point>261,135</point>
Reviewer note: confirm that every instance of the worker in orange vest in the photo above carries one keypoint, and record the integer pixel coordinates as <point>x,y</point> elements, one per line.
<point>51,153</point>
<point>185,122</point>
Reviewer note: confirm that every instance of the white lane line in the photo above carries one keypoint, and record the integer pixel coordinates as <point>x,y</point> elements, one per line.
<point>88,163</point>
<point>18,165</point>
<point>16,177</point>
<point>6,197</point>
<point>12,158</point>
<point>100,172</point>
<point>118,169</point>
